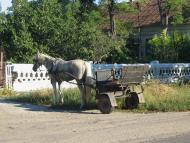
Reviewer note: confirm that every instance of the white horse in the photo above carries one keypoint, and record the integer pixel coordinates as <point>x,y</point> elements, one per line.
<point>60,70</point>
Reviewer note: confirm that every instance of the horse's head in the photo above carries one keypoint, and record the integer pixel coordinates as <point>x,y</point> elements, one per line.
<point>37,61</point>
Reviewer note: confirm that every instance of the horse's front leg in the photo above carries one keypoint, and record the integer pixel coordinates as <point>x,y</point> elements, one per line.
<point>82,95</point>
<point>61,98</point>
<point>53,82</point>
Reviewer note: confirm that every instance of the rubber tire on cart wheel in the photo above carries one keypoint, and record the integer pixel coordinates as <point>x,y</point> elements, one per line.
<point>104,104</point>
<point>132,101</point>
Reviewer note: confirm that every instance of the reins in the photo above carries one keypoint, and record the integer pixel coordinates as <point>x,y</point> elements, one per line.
<point>89,85</point>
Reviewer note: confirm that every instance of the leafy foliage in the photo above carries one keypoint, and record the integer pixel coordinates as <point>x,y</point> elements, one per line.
<point>186,12</point>
<point>113,6</point>
<point>73,29</point>
<point>171,8</point>
<point>0,7</point>
<point>60,28</point>
<point>174,48</point>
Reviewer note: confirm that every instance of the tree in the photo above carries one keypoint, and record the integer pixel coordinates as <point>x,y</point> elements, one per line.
<point>111,6</point>
<point>114,6</point>
<point>186,12</point>
<point>54,27</point>
<point>168,8</point>
<point>160,44</point>
<point>87,5</point>
<point>21,47</point>
<point>0,7</point>
<point>89,42</point>
<point>173,48</point>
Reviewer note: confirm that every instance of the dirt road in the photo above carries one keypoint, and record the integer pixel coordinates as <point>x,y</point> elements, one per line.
<point>25,123</point>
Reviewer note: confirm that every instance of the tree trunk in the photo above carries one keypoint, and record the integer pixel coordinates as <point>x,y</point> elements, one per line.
<point>165,23</point>
<point>159,2</point>
<point>112,18</point>
<point>164,15</point>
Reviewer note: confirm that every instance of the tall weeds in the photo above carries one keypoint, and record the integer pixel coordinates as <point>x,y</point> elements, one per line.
<point>158,97</point>
<point>162,97</point>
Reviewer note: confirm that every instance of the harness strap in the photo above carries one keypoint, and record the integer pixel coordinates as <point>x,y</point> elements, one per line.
<point>89,85</point>
<point>53,67</point>
<point>53,70</point>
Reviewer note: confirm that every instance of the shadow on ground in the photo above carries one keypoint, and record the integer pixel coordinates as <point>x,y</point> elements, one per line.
<point>46,108</point>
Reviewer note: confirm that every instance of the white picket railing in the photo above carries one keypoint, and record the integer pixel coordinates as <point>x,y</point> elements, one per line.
<point>170,72</point>
<point>167,73</point>
<point>21,77</point>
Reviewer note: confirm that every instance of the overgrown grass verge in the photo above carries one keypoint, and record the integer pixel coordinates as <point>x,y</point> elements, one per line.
<point>39,97</point>
<point>159,97</point>
<point>164,97</point>
<point>44,97</point>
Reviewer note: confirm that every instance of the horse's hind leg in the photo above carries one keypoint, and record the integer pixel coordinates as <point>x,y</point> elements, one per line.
<point>82,96</point>
<point>87,90</point>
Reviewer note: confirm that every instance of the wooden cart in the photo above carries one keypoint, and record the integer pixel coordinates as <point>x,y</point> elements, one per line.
<point>124,82</point>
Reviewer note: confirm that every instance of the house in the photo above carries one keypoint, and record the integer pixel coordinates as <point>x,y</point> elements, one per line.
<point>147,22</point>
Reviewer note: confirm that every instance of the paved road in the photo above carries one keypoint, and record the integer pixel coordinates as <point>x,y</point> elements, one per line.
<point>26,123</point>
<point>183,138</point>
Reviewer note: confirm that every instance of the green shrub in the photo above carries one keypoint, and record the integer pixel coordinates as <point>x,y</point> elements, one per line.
<point>170,48</point>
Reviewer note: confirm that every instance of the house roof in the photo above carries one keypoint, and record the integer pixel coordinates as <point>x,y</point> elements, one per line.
<point>148,14</point>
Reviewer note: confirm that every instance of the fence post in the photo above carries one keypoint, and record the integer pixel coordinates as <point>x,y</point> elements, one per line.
<point>155,66</point>
<point>8,75</point>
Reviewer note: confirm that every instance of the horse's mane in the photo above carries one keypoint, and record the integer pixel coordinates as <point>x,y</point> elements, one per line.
<point>46,56</point>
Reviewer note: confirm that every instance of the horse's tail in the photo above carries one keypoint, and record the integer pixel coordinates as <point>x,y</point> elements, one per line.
<point>88,80</point>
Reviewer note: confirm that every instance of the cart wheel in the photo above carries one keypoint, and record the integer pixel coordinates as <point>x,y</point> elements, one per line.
<point>104,104</point>
<point>132,101</point>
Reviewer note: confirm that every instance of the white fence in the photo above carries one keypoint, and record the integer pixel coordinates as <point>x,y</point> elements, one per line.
<point>21,77</point>
<point>169,72</point>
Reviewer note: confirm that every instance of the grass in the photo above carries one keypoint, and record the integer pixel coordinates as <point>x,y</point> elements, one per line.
<point>164,97</point>
<point>40,97</point>
<point>44,97</point>
<point>158,97</point>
